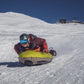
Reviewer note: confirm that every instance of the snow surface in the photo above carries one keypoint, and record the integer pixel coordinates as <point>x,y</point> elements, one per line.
<point>67,39</point>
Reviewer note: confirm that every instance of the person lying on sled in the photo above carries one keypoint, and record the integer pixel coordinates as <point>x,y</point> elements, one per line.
<point>36,41</point>
<point>31,42</point>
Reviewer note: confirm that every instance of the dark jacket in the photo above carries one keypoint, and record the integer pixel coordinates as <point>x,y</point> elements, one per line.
<point>41,42</point>
<point>19,48</point>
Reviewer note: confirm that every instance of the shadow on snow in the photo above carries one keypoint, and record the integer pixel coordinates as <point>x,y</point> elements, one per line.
<point>16,64</point>
<point>12,64</point>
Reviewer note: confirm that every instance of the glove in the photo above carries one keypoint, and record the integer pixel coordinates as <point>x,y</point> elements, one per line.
<point>34,45</point>
<point>46,50</point>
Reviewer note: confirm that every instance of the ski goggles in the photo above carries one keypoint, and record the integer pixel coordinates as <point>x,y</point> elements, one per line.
<point>23,41</point>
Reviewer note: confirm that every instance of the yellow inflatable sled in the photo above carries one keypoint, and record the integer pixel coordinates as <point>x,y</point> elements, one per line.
<point>35,58</point>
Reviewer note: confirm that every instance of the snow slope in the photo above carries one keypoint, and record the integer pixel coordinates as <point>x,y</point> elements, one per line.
<point>66,39</point>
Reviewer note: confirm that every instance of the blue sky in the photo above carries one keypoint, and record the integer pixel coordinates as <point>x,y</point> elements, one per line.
<point>48,10</point>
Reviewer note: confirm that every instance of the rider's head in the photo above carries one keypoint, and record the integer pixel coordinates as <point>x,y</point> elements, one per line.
<point>24,40</point>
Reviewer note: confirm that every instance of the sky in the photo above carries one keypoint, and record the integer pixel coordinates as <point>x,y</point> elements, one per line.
<point>47,10</point>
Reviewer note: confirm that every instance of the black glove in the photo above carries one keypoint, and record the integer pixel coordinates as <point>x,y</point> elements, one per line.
<point>34,46</point>
<point>44,50</point>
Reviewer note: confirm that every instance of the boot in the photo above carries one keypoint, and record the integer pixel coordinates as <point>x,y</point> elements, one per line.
<point>53,52</point>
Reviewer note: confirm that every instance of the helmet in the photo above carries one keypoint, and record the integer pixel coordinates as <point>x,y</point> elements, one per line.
<point>32,36</point>
<point>23,38</point>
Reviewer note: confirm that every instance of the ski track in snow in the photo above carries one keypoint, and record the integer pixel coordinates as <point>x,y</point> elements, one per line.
<point>67,39</point>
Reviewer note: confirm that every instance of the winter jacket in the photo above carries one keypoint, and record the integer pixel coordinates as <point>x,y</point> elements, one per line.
<point>39,41</point>
<point>19,48</point>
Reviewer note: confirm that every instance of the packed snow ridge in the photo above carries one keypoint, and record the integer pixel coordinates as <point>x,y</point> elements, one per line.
<point>67,39</point>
